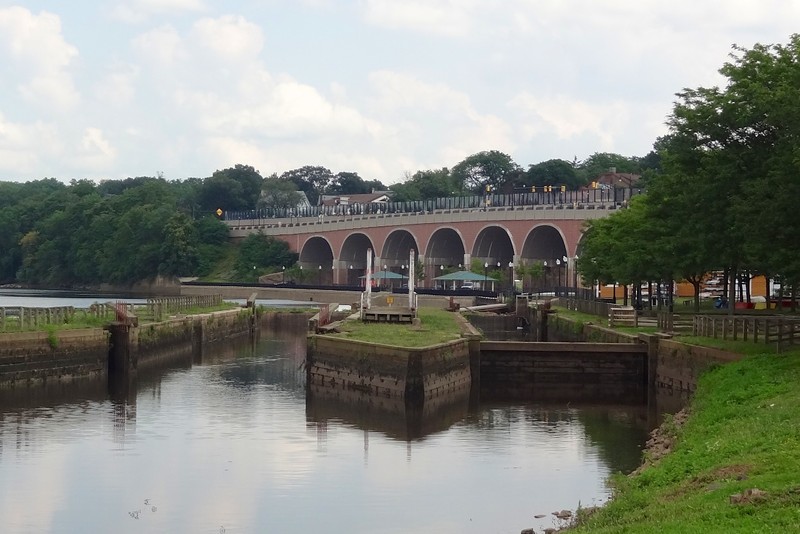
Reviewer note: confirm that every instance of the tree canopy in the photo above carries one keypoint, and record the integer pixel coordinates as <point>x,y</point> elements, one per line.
<point>726,188</point>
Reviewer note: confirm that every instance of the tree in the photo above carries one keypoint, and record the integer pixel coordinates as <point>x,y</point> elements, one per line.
<point>489,168</point>
<point>740,144</point>
<point>250,181</point>
<point>552,172</point>
<point>278,194</point>
<point>601,162</point>
<point>259,252</point>
<point>425,185</point>
<point>179,250</point>
<point>313,181</point>
<point>350,183</point>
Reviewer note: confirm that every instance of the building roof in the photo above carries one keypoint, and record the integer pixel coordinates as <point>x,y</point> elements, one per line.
<point>360,198</point>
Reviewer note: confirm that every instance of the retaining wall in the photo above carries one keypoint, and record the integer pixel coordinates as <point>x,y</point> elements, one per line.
<point>30,358</point>
<point>38,357</point>
<point>673,365</point>
<point>578,371</point>
<point>408,373</point>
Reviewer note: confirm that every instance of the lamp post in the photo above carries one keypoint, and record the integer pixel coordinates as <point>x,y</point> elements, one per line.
<point>511,277</point>
<point>566,270</point>
<point>283,274</point>
<point>350,275</point>
<point>441,273</point>
<point>544,273</point>
<point>558,268</point>
<point>319,278</point>
<point>485,273</point>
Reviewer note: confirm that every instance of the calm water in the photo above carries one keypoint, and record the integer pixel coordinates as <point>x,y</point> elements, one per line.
<point>235,444</point>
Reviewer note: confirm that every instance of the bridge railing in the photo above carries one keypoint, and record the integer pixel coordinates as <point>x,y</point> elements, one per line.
<point>581,199</point>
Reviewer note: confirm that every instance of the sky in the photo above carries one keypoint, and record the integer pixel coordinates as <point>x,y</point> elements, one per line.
<point>181,88</point>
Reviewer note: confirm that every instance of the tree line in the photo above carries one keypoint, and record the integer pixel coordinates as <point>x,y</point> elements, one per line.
<point>728,190</point>
<point>119,232</point>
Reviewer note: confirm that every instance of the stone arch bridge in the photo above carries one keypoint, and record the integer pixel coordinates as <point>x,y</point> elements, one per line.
<point>335,246</point>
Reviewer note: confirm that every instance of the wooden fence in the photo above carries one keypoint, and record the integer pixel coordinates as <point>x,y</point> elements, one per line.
<point>783,331</point>
<point>622,316</point>
<point>159,308</point>
<point>20,317</point>
<point>592,307</point>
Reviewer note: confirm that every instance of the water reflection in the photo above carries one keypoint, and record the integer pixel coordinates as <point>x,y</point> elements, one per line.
<point>232,441</point>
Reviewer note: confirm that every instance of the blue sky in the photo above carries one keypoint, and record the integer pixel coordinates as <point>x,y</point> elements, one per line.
<point>108,90</point>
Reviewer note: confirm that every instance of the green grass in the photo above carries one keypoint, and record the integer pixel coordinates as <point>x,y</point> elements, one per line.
<point>83,319</point>
<point>437,326</point>
<point>743,433</point>
<point>740,347</point>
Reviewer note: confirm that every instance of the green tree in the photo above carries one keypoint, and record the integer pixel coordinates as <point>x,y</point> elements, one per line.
<point>179,255</point>
<point>313,181</point>
<point>259,253</point>
<point>601,162</point>
<point>552,172</point>
<point>278,194</point>
<point>489,168</point>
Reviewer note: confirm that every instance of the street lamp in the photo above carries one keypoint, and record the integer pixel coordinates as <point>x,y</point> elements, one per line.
<point>441,273</point>
<point>283,274</point>
<point>566,270</point>
<point>511,276</point>
<point>485,269</point>
<point>544,273</point>
<point>558,268</point>
<point>350,275</point>
<point>319,278</point>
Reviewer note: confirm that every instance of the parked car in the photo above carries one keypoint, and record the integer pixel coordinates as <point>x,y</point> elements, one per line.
<point>467,285</point>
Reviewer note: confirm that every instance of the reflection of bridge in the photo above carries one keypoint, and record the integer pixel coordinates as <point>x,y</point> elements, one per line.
<point>499,234</point>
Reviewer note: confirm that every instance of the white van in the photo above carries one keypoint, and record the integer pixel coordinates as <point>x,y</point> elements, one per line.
<point>467,285</point>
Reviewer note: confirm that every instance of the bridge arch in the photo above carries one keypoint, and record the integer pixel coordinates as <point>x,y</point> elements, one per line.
<point>493,245</point>
<point>445,249</point>
<point>546,243</point>
<point>396,247</point>
<point>316,258</point>
<point>353,258</point>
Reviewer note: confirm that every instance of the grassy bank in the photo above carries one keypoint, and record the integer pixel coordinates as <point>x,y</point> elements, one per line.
<point>436,326</point>
<point>734,465</point>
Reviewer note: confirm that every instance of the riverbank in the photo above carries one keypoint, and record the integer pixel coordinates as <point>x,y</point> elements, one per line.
<point>734,466</point>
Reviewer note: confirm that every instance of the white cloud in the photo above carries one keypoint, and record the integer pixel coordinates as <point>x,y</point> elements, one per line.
<point>39,58</point>
<point>231,38</point>
<point>161,46</point>
<point>94,152</point>
<point>445,17</point>
<point>568,117</point>
<point>23,146</point>
<point>117,88</point>
<point>134,11</point>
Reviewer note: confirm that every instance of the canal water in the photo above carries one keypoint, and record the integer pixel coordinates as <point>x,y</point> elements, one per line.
<point>234,443</point>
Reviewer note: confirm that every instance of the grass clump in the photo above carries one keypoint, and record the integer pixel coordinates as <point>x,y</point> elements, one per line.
<point>734,465</point>
<point>436,326</point>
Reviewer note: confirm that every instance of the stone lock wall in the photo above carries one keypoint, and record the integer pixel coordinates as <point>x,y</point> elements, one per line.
<point>28,358</point>
<point>387,370</point>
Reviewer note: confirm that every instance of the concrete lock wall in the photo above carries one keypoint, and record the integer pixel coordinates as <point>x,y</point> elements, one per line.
<point>672,364</point>
<point>554,370</point>
<point>389,371</point>
<point>29,358</point>
<point>38,357</point>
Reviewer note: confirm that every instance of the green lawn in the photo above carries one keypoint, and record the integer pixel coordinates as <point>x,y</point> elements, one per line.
<point>437,326</point>
<point>743,434</point>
